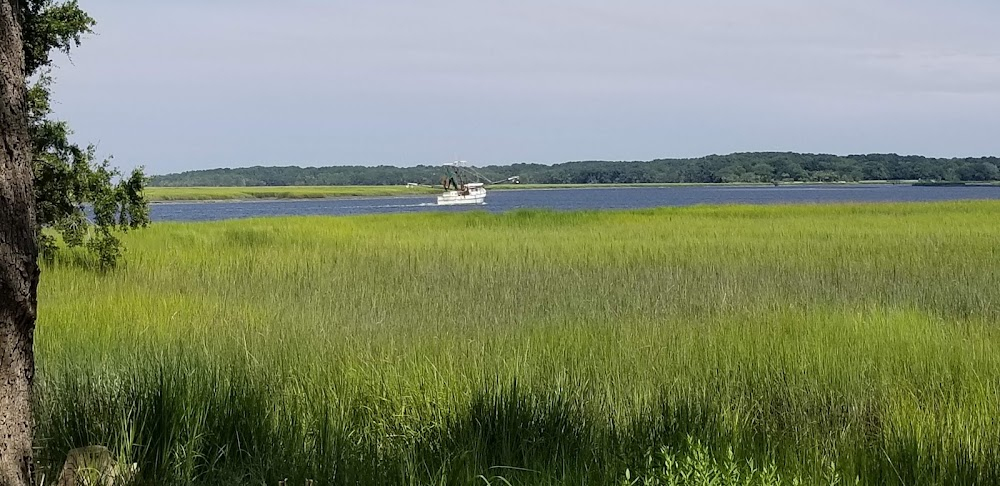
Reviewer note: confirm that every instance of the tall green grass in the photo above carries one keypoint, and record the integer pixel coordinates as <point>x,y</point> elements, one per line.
<point>726,345</point>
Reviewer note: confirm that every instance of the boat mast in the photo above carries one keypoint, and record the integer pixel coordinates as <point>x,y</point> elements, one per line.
<point>461,167</point>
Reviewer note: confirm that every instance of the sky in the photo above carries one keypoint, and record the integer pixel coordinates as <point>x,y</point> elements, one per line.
<point>188,84</point>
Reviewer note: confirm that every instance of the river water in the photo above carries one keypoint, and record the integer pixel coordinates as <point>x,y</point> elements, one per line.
<point>575,199</point>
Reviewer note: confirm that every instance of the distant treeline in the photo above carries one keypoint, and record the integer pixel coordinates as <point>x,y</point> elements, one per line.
<point>739,167</point>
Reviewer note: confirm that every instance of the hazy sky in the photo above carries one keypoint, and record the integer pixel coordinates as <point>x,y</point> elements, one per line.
<point>185,84</point>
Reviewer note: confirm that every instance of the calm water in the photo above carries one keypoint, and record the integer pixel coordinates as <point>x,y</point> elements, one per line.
<point>569,199</point>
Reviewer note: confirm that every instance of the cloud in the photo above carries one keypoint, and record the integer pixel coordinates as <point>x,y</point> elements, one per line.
<point>185,84</point>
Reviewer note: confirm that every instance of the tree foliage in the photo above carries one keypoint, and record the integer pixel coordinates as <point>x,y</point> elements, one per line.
<point>82,199</point>
<point>738,167</point>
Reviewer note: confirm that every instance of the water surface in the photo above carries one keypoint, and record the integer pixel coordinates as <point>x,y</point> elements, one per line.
<point>575,199</point>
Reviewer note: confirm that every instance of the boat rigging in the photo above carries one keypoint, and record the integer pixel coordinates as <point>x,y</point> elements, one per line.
<point>463,184</point>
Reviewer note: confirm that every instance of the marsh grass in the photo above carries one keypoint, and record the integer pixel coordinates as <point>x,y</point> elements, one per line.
<point>280,192</point>
<point>532,347</point>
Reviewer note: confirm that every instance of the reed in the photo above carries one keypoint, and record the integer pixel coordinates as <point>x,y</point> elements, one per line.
<point>728,345</point>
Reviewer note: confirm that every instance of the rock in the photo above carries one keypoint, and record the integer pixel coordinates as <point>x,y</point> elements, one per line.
<point>93,466</point>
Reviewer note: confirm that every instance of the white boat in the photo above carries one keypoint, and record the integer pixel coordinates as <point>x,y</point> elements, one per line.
<point>457,191</point>
<point>473,193</point>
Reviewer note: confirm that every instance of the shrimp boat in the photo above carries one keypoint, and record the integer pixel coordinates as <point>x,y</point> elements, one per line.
<point>459,190</point>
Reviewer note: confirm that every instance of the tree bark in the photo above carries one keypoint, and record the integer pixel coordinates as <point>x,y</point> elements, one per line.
<point>18,256</point>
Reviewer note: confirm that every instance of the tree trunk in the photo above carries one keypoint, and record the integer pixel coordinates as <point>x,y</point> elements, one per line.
<point>18,256</point>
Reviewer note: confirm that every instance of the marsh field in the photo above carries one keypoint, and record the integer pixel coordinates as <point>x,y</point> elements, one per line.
<point>824,344</point>
<point>280,192</point>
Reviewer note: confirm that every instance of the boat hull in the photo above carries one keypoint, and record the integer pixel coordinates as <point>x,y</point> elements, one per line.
<point>454,198</point>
